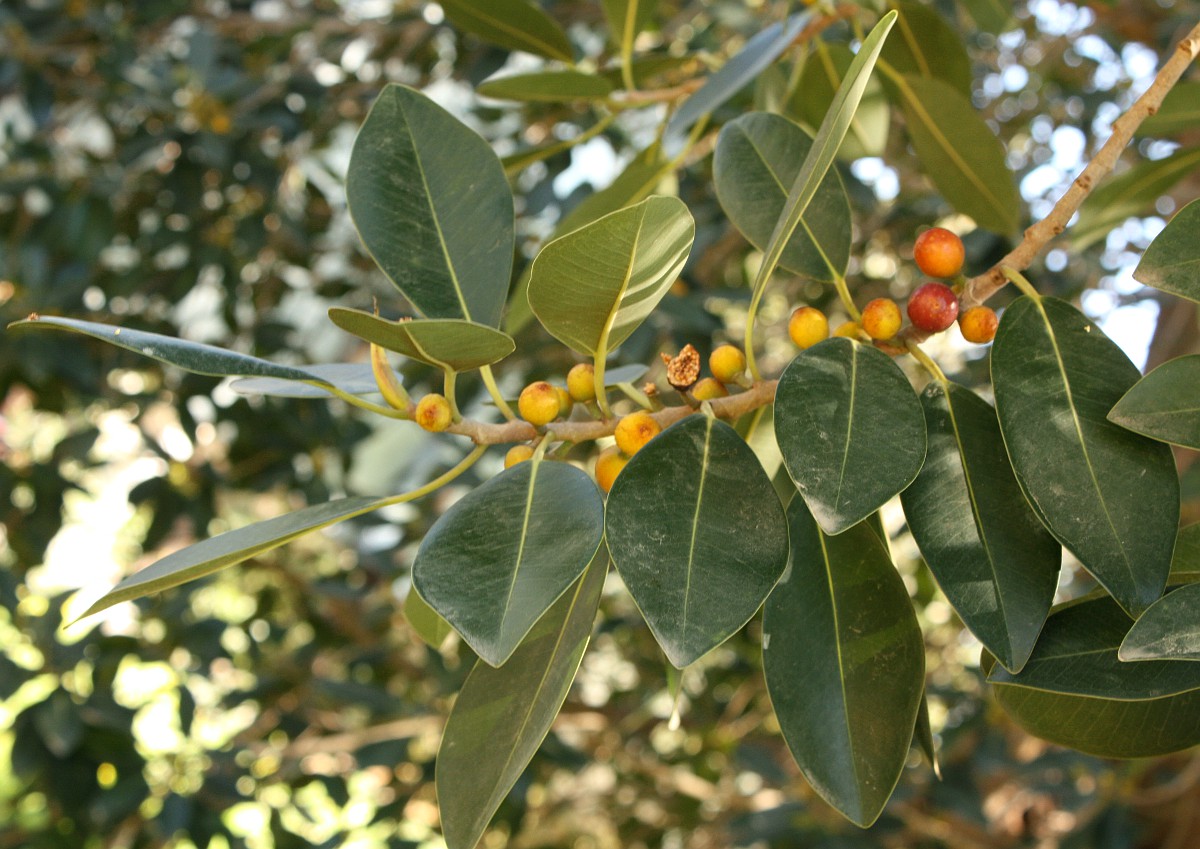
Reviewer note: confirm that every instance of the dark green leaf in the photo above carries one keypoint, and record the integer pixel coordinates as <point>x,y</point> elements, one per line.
<point>515,24</point>
<point>448,343</point>
<point>958,151</point>
<point>1186,557</point>
<point>1165,404</point>
<point>1132,192</point>
<point>351,378</point>
<point>756,162</point>
<point>1108,495</point>
<point>1168,630</point>
<point>925,45</point>
<point>501,716</point>
<point>819,81</point>
<point>991,556</point>
<point>698,535</point>
<point>547,87</point>
<point>923,734</point>
<point>497,559</point>
<point>433,207</point>
<point>845,664</point>
<point>850,429</point>
<point>1172,262</point>
<point>1178,113</point>
<point>430,627</point>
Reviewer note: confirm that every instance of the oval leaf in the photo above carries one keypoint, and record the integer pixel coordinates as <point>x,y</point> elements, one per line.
<point>925,45</point>
<point>501,716</point>
<point>990,555</point>
<point>547,87</point>
<point>494,562</point>
<point>959,152</point>
<point>431,628</point>
<point>351,378</point>
<point>515,24</point>
<point>819,81</point>
<point>850,429</point>
<point>433,207</point>
<point>1132,192</point>
<point>845,664</point>
<point>1172,262</point>
<point>756,162</point>
<point>1108,495</point>
<point>591,288</point>
<point>1165,404</point>
<point>698,535</point>
<point>1168,630</point>
<point>450,344</point>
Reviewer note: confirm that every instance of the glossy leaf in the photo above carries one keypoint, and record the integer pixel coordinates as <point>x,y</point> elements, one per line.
<point>515,24</point>
<point>819,81</point>
<point>425,621</point>
<point>990,555</point>
<point>451,344</point>
<point>591,288</point>
<point>962,156</point>
<point>433,207</point>
<point>496,560</point>
<point>1130,193</point>
<point>756,162</point>
<point>1108,495</point>
<point>1165,404</point>
<point>1168,630</point>
<point>845,664</point>
<point>698,535</point>
<point>1178,113</point>
<point>502,715</point>
<point>850,429</point>
<point>1172,262</point>
<point>925,45</point>
<point>547,87</point>
<point>351,378</point>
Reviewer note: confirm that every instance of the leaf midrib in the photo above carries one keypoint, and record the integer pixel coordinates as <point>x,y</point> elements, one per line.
<point>535,466</point>
<point>837,501</point>
<point>687,586</point>
<point>516,32</point>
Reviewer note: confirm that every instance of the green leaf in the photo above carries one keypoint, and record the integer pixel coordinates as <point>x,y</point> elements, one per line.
<point>1168,630</point>
<point>1107,494</point>
<point>515,24</point>
<point>547,87</point>
<point>1165,404</point>
<point>850,429</point>
<point>1132,192</point>
<point>1178,113</point>
<point>994,16</point>
<point>756,162</point>
<point>433,207</point>
<point>925,45</point>
<point>845,664</point>
<point>497,559</point>
<point>351,378</point>
<point>1186,557</point>
<point>923,735</point>
<point>819,81</point>
<point>1172,262</point>
<point>627,18</point>
<point>430,627</point>
<point>591,288</point>
<point>754,57</point>
<point>698,535</point>
<point>501,716</point>
<point>962,156</point>
<point>990,555</point>
<point>448,343</point>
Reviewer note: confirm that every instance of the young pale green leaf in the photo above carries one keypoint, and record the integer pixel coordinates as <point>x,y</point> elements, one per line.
<point>351,378</point>
<point>990,555</point>
<point>591,288</point>
<point>425,621</point>
<point>448,343</point>
<point>994,16</point>
<point>1107,494</point>
<point>433,207</point>
<point>547,87</point>
<point>962,156</point>
<point>819,81</point>
<point>1168,630</point>
<point>698,535</point>
<point>1165,404</point>
<point>496,560</point>
<point>925,45</point>
<point>1133,192</point>
<point>850,429</point>
<point>1178,113</point>
<point>1172,262</point>
<point>515,24</point>
<point>756,161</point>
<point>501,716</point>
<point>845,664</point>
<point>757,54</point>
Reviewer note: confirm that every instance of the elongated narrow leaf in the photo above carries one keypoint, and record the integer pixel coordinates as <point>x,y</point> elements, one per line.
<point>352,378</point>
<point>819,81</point>
<point>433,207</point>
<point>1165,404</point>
<point>698,535</point>
<point>1172,262</point>
<point>447,343</point>
<point>547,87</point>
<point>845,664</point>
<point>756,161</point>
<point>925,45</point>
<point>1168,630</point>
<point>850,429</point>
<point>958,151</point>
<point>494,562</point>
<point>1108,495</point>
<point>591,288</point>
<point>1131,193</point>
<point>215,553</point>
<point>515,24</point>
<point>757,54</point>
<point>502,715</point>
<point>990,555</point>
<point>425,621</point>
<point>1178,113</point>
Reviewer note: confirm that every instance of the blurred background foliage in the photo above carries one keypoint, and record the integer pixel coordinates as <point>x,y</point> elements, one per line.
<point>177,165</point>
